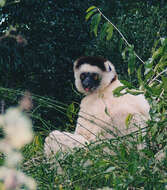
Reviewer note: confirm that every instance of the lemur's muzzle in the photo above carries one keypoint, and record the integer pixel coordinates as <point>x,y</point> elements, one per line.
<point>87,84</point>
<point>90,82</point>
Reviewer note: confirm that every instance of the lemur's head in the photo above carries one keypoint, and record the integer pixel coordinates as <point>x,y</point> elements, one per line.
<point>93,74</point>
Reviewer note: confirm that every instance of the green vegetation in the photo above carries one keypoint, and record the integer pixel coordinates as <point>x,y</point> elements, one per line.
<point>53,34</point>
<point>117,163</point>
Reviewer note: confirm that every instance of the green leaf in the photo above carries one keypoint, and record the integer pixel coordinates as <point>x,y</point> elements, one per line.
<point>109,32</point>
<point>77,188</point>
<point>148,75</point>
<point>117,91</point>
<point>2,3</point>
<point>157,53</point>
<point>89,14</point>
<point>148,90</point>
<point>131,61</point>
<point>149,63</point>
<point>91,8</point>
<point>160,138</point>
<point>163,59</point>
<point>127,120</point>
<point>153,130</point>
<point>128,84</point>
<point>139,76</point>
<point>121,42</point>
<point>70,112</point>
<point>106,111</point>
<point>164,80</point>
<point>163,41</point>
<point>124,53</point>
<point>134,92</point>
<point>95,23</point>
<point>131,66</point>
<point>103,31</point>
<point>157,89</point>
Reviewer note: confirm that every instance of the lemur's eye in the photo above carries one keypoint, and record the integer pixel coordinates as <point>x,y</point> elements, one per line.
<point>95,76</point>
<point>82,76</point>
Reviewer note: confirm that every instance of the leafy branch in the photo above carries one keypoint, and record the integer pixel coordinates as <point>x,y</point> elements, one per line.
<point>107,29</point>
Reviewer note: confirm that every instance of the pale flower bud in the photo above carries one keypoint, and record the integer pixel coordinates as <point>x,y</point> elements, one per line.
<point>14,179</point>
<point>13,158</point>
<point>18,128</point>
<point>9,177</point>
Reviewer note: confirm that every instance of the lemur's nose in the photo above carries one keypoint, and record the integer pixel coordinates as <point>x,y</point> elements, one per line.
<point>86,82</point>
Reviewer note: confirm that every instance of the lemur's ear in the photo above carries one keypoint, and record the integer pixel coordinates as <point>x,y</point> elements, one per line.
<point>108,66</point>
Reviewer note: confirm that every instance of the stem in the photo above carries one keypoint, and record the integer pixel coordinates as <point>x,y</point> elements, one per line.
<point>157,77</point>
<point>120,34</point>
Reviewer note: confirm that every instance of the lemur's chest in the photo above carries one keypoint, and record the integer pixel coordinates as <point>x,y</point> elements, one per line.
<point>94,105</point>
<point>92,118</point>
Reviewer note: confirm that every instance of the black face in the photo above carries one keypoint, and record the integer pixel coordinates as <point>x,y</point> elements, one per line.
<point>90,81</point>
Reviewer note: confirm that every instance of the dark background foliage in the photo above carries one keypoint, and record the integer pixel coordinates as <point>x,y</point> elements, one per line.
<point>56,33</point>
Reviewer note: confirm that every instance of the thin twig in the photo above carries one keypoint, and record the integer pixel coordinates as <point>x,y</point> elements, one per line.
<point>120,34</point>
<point>157,76</point>
<point>160,95</point>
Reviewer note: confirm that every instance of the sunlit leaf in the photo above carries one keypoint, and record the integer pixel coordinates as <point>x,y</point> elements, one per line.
<point>134,92</point>
<point>109,32</point>
<point>2,3</point>
<point>117,91</point>
<point>91,8</point>
<point>89,14</point>
<point>164,80</point>
<point>139,76</point>
<point>70,112</point>
<point>124,53</point>
<point>127,120</point>
<point>157,53</point>
<point>128,84</point>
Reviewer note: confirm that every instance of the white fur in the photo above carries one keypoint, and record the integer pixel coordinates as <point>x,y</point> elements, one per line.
<point>62,141</point>
<point>109,112</point>
<point>100,111</point>
<point>106,76</point>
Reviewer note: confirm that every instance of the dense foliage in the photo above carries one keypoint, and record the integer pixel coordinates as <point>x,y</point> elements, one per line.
<point>56,34</point>
<point>53,34</point>
<point>42,40</point>
<point>118,163</point>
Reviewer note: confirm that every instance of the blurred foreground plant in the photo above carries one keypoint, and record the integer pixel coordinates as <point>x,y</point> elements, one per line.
<point>18,132</point>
